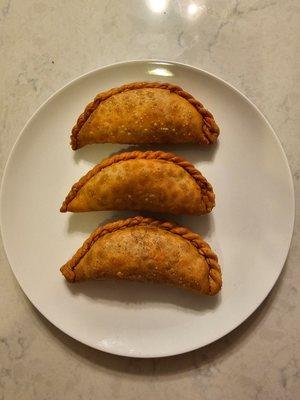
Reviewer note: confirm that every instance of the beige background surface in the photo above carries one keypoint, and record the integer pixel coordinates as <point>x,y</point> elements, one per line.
<point>252,44</point>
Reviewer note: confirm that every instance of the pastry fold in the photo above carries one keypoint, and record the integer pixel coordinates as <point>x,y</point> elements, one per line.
<point>142,181</point>
<point>146,250</point>
<point>144,112</point>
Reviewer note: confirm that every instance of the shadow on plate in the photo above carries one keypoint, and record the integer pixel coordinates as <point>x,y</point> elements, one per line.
<point>145,294</point>
<point>88,221</point>
<point>192,152</point>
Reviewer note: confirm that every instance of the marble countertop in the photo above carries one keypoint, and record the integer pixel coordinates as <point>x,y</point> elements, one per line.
<point>252,44</point>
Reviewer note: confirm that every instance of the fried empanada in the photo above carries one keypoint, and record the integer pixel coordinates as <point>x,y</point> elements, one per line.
<point>148,181</point>
<point>144,112</point>
<point>144,249</point>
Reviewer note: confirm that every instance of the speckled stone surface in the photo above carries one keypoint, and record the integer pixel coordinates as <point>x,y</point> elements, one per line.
<point>252,44</point>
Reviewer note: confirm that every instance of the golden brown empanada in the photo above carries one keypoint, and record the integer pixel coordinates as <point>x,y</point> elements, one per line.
<point>145,249</point>
<point>149,181</point>
<point>144,112</point>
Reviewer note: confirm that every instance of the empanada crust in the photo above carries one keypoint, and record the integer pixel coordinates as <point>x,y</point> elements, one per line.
<point>147,250</point>
<point>142,181</point>
<point>144,112</point>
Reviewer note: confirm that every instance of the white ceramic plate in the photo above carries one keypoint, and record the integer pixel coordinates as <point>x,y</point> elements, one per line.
<point>250,227</point>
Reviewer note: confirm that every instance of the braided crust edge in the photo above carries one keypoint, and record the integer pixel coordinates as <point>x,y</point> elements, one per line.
<point>214,274</point>
<point>206,188</point>
<point>210,128</point>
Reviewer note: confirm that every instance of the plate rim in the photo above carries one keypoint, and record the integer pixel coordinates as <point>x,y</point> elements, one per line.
<point>185,349</point>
